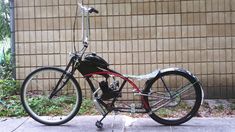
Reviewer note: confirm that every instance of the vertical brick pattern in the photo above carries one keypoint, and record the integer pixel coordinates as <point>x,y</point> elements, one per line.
<point>135,37</point>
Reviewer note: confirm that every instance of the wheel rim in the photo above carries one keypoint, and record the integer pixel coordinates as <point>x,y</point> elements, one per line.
<point>172,104</point>
<point>48,111</point>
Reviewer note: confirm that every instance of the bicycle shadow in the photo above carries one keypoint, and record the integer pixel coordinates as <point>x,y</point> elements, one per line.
<point>126,124</point>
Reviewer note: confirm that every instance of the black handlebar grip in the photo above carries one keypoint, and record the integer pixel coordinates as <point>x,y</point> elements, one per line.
<point>91,10</point>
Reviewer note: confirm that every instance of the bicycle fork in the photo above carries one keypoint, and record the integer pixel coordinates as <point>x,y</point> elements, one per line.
<point>65,76</point>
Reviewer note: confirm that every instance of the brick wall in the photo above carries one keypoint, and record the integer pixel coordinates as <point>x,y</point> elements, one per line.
<point>135,37</point>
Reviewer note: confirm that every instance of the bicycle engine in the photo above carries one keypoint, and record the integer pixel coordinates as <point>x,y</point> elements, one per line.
<point>109,91</point>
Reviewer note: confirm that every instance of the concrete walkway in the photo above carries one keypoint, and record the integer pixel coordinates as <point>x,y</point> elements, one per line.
<point>119,124</point>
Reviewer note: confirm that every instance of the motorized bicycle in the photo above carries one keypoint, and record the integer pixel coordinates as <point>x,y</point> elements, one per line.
<point>169,96</point>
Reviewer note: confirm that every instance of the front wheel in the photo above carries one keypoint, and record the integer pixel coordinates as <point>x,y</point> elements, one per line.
<point>51,96</point>
<point>173,98</point>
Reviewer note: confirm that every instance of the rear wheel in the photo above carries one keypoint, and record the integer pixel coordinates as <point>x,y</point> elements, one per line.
<point>45,106</point>
<point>174,97</point>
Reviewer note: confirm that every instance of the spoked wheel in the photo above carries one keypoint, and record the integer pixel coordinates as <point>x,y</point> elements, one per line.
<point>174,97</point>
<point>50,96</point>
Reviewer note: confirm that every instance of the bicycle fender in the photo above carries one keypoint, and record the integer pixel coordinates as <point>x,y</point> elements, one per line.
<point>162,71</point>
<point>186,72</point>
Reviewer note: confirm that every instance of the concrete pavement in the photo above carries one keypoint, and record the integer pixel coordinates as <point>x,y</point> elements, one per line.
<point>118,124</point>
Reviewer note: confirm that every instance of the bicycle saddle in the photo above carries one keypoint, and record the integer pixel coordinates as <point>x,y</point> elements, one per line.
<point>143,77</point>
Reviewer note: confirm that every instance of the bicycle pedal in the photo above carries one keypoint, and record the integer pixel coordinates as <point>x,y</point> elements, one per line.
<point>99,124</point>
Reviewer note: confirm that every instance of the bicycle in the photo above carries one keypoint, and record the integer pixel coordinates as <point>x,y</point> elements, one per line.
<point>170,96</point>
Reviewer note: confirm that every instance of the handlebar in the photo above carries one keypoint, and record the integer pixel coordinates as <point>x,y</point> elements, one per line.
<point>85,26</point>
<point>89,10</point>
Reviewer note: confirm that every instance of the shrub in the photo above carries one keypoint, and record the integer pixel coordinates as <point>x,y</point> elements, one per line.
<point>9,88</point>
<point>6,66</point>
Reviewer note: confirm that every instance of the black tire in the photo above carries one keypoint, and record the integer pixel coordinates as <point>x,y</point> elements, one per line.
<point>59,109</point>
<point>187,107</point>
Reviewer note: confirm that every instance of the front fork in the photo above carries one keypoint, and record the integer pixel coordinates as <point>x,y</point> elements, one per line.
<point>72,63</point>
